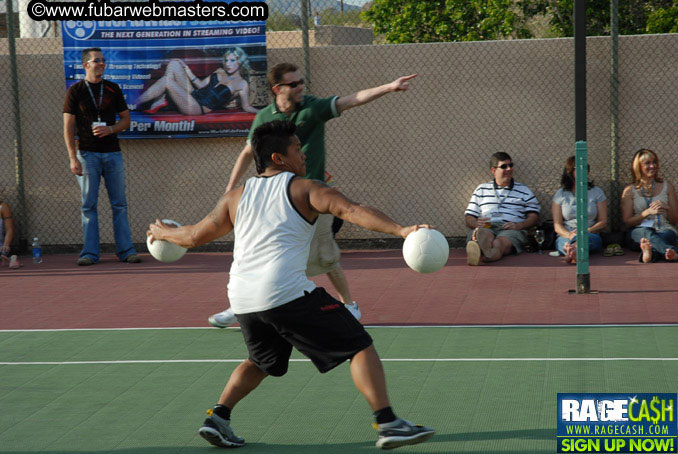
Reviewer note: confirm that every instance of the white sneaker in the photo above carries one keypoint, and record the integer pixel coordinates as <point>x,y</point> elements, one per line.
<point>14,262</point>
<point>400,433</point>
<point>218,431</point>
<point>223,319</point>
<point>354,310</point>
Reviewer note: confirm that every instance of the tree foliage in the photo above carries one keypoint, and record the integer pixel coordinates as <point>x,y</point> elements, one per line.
<point>634,15</point>
<point>422,21</point>
<point>331,16</point>
<point>663,19</point>
<point>278,21</point>
<point>417,21</point>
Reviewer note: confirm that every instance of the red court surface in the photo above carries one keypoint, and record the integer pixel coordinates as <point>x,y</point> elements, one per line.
<point>527,289</point>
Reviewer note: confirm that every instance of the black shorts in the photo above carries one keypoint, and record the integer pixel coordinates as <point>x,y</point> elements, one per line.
<point>316,324</point>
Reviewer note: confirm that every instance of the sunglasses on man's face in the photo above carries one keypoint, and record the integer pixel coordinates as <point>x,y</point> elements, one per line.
<point>294,84</point>
<point>505,166</point>
<point>97,60</point>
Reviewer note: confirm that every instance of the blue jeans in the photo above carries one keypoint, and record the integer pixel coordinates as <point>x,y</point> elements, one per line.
<point>595,243</point>
<point>661,241</point>
<point>112,168</point>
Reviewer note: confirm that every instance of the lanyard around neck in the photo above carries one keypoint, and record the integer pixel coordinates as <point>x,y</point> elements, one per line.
<point>648,200</point>
<point>97,106</point>
<point>503,199</point>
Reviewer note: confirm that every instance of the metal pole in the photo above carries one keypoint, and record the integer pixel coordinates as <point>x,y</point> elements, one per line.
<point>305,45</point>
<point>583,277</point>
<point>615,209</point>
<point>582,190</point>
<point>20,212</point>
<point>580,69</point>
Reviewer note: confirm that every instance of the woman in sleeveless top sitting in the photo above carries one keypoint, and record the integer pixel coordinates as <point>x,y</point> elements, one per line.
<point>195,96</point>
<point>650,210</point>
<point>564,210</point>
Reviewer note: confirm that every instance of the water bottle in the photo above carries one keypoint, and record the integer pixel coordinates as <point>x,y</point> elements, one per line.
<point>37,251</point>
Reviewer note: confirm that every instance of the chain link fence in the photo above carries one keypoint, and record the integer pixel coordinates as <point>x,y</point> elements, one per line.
<point>647,109</point>
<point>416,155</point>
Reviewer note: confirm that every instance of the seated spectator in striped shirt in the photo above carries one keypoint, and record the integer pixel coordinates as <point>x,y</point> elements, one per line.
<point>499,214</point>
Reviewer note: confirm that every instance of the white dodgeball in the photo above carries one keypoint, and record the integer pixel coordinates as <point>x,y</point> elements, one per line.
<point>164,251</point>
<point>426,250</point>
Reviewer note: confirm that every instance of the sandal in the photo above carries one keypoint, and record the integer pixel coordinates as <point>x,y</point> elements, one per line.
<point>609,251</point>
<point>617,249</point>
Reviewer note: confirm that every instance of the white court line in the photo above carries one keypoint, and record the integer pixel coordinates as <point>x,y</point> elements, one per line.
<point>393,360</point>
<point>635,325</point>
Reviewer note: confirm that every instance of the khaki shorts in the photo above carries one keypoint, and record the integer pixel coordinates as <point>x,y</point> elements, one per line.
<point>325,253</point>
<point>518,238</point>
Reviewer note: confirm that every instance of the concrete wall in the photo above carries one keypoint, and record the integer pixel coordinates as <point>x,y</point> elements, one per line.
<point>417,155</point>
<point>322,35</point>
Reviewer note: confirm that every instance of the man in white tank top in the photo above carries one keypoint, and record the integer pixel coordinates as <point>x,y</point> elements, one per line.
<point>309,114</point>
<point>273,217</point>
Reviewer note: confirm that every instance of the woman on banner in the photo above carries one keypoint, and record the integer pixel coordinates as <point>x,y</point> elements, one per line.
<point>650,210</point>
<point>195,96</point>
<point>564,211</point>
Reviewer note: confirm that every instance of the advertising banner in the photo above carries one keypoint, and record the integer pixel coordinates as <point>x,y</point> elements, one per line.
<point>622,423</point>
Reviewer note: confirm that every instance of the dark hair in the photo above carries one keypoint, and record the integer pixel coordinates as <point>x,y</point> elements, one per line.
<point>567,180</point>
<point>275,75</point>
<point>498,157</point>
<point>269,138</point>
<point>86,52</point>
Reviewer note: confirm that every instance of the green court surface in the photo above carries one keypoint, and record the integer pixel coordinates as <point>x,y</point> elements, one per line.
<point>485,390</point>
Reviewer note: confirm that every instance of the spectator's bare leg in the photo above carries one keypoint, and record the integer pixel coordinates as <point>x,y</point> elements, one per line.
<point>501,246</point>
<point>570,252</point>
<point>646,248</point>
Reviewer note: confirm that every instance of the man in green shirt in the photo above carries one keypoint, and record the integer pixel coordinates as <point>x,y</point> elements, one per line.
<point>309,114</point>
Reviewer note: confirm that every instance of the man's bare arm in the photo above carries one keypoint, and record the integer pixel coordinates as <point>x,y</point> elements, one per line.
<point>370,94</point>
<point>215,225</point>
<point>531,220</point>
<point>69,139</point>
<point>324,199</point>
<point>471,221</point>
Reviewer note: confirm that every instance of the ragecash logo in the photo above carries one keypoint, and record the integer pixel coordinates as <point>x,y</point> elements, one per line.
<point>80,29</point>
<point>623,423</point>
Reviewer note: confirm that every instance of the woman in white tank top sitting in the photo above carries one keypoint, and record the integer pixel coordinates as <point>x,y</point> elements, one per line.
<point>650,210</point>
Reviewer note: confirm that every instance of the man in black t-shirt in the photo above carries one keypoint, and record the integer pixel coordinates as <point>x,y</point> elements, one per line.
<point>91,107</point>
